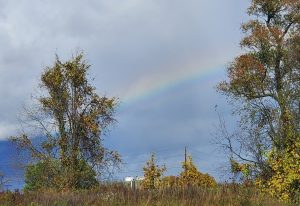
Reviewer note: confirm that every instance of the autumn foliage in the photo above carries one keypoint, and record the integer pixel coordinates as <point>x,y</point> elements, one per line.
<point>189,177</point>
<point>264,84</point>
<point>71,119</point>
<point>153,174</point>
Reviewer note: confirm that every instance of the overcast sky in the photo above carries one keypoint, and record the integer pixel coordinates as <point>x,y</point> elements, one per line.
<point>162,58</point>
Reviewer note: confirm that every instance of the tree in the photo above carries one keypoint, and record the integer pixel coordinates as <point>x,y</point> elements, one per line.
<point>153,174</point>
<point>71,118</point>
<point>264,82</point>
<point>190,176</point>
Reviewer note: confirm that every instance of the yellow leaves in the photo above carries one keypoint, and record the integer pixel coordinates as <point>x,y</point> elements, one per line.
<point>237,168</point>
<point>53,77</point>
<point>152,174</point>
<point>191,176</point>
<point>285,181</point>
<point>78,115</point>
<point>170,182</point>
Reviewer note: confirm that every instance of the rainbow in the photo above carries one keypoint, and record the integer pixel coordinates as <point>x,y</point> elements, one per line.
<point>148,91</point>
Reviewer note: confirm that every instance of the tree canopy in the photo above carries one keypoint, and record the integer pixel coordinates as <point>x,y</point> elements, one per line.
<point>72,119</point>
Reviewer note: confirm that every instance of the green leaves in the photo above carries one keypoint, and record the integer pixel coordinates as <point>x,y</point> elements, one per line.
<point>51,174</point>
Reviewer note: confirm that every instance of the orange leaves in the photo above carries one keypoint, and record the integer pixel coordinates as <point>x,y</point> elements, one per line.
<point>246,76</point>
<point>258,34</point>
<point>246,68</point>
<point>277,20</point>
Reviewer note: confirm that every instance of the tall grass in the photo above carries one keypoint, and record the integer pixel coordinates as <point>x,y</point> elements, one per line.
<point>118,194</point>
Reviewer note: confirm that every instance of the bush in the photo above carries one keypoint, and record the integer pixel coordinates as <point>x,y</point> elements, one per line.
<point>192,177</point>
<point>50,174</point>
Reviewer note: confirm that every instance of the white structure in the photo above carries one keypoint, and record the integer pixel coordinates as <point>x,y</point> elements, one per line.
<point>129,179</point>
<point>140,178</point>
<point>133,181</point>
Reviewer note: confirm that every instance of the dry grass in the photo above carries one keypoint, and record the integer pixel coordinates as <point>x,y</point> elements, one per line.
<point>118,194</point>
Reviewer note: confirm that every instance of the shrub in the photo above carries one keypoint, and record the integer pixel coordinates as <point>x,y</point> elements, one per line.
<point>50,174</point>
<point>191,176</point>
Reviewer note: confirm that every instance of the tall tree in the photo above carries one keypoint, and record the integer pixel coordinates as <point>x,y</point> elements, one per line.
<point>264,81</point>
<point>72,118</point>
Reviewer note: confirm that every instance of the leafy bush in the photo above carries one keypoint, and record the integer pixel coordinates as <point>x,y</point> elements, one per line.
<point>190,176</point>
<point>152,174</point>
<point>50,174</point>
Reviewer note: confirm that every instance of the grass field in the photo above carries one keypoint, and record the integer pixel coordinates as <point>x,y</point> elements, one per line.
<point>118,194</point>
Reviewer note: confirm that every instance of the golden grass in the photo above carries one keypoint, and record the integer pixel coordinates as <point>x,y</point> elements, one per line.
<point>118,194</point>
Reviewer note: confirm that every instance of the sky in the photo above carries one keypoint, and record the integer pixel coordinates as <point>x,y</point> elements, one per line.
<point>162,59</point>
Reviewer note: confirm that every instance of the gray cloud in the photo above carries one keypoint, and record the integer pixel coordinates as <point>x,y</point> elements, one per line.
<point>130,44</point>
